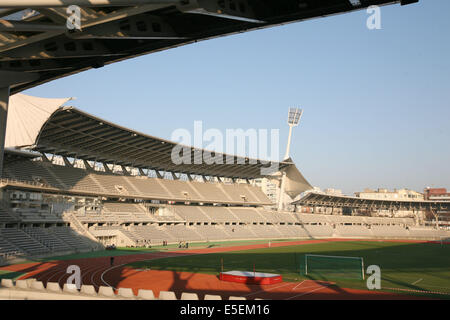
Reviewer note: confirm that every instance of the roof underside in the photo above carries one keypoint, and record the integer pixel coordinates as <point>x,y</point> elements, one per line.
<point>73,133</point>
<point>324,200</point>
<point>40,44</point>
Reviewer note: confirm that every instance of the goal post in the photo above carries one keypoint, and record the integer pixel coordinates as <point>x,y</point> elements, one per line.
<point>329,267</point>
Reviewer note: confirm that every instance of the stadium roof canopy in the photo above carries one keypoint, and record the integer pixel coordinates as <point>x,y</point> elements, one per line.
<point>325,200</point>
<point>45,126</point>
<point>36,46</point>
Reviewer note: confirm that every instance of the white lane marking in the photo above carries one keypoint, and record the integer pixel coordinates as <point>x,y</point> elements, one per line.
<point>298,285</point>
<point>159,255</point>
<point>305,293</point>
<point>270,289</point>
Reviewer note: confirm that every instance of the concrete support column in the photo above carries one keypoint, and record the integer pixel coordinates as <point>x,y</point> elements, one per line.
<point>4,101</point>
<point>281,195</point>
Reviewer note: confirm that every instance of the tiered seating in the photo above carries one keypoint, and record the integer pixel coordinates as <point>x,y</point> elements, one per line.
<point>294,231</point>
<point>427,233</point>
<point>221,214</point>
<point>153,233</point>
<point>236,191</point>
<point>111,230</point>
<point>167,218</point>
<point>408,221</point>
<point>179,189</point>
<point>183,233</point>
<point>312,218</point>
<point>247,214</point>
<point>140,216</point>
<point>49,239</point>
<point>239,232</point>
<point>24,242</point>
<point>68,178</point>
<point>191,213</point>
<point>259,194</point>
<point>210,191</point>
<point>147,186</point>
<point>5,217</point>
<point>122,211</point>
<point>319,230</point>
<point>210,232</point>
<point>7,249</point>
<point>114,184</point>
<point>132,235</point>
<point>268,216</point>
<point>72,238</point>
<point>265,231</point>
<point>336,219</point>
<point>353,231</point>
<point>34,171</point>
<point>389,231</point>
<point>285,217</point>
<point>122,207</point>
<point>73,178</point>
<point>34,214</point>
<point>104,217</point>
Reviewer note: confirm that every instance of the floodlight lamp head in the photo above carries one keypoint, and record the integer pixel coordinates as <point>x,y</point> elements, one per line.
<point>294,116</point>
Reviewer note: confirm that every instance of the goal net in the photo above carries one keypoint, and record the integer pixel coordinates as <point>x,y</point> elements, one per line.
<point>329,267</point>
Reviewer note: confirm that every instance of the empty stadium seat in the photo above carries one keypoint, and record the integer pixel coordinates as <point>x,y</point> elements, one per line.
<point>167,295</point>
<point>53,287</point>
<point>106,292</point>
<point>125,293</point>
<point>146,294</point>
<point>189,296</point>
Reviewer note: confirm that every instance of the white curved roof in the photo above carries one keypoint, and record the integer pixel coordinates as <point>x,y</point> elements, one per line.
<point>46,126</point>
<point>295,181</point>
<point>26,116</point>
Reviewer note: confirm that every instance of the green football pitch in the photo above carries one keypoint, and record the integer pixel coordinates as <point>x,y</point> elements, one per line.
<point>414,268</point>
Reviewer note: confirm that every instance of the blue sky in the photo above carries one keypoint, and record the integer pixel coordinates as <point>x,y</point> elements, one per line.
<point>376,103</point>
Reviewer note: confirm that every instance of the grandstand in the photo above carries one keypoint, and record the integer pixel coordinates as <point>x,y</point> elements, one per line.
<point>74,183</point>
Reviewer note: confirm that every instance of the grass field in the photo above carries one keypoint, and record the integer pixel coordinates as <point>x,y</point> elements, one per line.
<point>121,251</point>
<point>406,266</point>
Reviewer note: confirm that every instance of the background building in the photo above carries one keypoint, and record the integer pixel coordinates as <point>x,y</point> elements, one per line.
<point>439,194</point>
<point>385,194</point>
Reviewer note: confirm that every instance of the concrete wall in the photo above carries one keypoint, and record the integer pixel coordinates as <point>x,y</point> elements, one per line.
<point>31,289</point>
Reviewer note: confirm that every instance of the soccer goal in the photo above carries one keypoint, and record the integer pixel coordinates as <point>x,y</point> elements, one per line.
<point>330,267</point>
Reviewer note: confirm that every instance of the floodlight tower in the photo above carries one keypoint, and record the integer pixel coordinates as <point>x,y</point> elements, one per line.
<point>294,117</point>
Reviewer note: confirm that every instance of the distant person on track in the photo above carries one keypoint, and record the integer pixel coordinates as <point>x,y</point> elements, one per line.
<point>111,260</point>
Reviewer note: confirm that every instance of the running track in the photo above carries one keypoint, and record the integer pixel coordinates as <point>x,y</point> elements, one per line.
<point>98,272</point>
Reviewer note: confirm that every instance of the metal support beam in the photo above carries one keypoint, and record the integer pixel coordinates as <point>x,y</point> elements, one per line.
<point>81,3</point>
<point>67,162</point>
<point>159,175</point>
<point>125,171</point>
<point>88,166</point>
<point>107,169</point>
<point>227,9</point>
<point>4,101</point>
<point>25,26</point>
<point>143,26</point>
